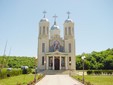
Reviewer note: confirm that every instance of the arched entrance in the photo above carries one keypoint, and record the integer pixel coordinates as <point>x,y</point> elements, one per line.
<point>57,63</point>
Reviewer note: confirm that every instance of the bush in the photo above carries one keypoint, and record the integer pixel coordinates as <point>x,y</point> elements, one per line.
<point>3,73</point>
<point>16,72</point>
<point>26,71</point>
<point>90,72</point>
<point>97,72</point>
<point>88,83</point>
<point>109,72</point>
<point>8,73</point>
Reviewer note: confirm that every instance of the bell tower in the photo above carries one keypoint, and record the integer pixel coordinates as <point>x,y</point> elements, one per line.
<point>43,41</point>
<point>69,40</point>
<point>44,27</point>
<point>68,28</point>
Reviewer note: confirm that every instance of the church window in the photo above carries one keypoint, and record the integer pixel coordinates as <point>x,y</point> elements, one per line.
<point>43,47</point>
<point>69,47</point>
<point>69,30</point>
<point>66,31</point>
<point>43,29</point>
<point>42,60</point>
<point>69,58</point>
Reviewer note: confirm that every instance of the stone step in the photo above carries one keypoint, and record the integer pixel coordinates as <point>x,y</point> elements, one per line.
<point>58,72</point>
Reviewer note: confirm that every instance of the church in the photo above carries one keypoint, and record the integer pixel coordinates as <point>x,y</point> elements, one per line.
<point>56,52</point>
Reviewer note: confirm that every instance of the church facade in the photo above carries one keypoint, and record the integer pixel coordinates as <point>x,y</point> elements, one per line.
<point>55,52</point>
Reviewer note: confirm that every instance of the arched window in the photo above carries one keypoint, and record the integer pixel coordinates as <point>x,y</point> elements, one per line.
<point>66,31</point>
<point>69,30</point>
<point>70,60</point>
<point>42,60</point>
<point>43,29</point>
<point>69,47</point>
<point>43,47</point>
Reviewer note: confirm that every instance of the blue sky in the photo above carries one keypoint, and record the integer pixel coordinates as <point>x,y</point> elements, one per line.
<point>19,23</point>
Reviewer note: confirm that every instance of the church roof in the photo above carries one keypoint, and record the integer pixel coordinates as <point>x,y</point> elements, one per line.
<point>44,20</point>
<point>54,27</point>
<point>68,20</point>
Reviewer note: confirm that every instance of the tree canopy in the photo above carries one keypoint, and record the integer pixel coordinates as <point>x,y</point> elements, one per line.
<point>17,61</point>
<point>96,60</point>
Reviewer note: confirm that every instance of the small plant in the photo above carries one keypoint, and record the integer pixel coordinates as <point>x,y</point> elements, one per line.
<point>19,84</point>
<point>90,72</point>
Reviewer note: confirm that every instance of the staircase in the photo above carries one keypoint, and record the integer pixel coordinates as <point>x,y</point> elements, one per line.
<point>58,72</point>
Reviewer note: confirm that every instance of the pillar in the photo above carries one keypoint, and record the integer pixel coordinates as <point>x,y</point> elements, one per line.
<point>47,63</point>
<point>60,63</point>
<point>53,62</point>
<point>66,63</point>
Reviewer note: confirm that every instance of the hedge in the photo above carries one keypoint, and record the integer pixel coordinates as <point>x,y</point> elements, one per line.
<point>4,73</point>
<point>98,72</point>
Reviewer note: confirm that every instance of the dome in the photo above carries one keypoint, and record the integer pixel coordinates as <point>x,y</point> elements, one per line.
<point>44,20</point>
<point>54,27</point>
<point>68,20</point>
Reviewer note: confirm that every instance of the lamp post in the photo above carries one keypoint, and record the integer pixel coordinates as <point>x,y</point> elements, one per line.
<point>70,67</point>
<point>35,61</point>
<point>83,57</point>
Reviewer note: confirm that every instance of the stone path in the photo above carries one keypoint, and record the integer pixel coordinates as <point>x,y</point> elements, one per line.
<point>58,80</point>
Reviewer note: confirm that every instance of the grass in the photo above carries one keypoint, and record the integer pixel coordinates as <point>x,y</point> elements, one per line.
<point>21,79</point>
<point>97,80</point>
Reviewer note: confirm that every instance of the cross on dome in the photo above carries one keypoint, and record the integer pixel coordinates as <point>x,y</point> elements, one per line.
<point>44,12</point>
<point>55,19</point>
<point>68,14</point>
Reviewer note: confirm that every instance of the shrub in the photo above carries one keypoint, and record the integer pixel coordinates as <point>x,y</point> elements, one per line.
<point>90,72</point>
<point>109,72</point>
<point>88,83</point>
<point>3,74</point>
<point>26,71</point>
<point>97,72</point>
<point>7,73</point>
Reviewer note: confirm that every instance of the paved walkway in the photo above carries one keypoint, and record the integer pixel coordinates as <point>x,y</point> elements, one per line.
<point>58,80</point>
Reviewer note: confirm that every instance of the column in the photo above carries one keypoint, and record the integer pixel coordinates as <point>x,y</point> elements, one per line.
<point>47,63</point>
<point>60,63</point>
<point>53,62</point>
<point>66,63</point>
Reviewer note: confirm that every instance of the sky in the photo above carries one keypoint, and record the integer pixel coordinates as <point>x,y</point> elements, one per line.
<point>19,21</point>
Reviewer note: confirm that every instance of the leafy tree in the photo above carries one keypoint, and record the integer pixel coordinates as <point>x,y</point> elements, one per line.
<point>97,60</point>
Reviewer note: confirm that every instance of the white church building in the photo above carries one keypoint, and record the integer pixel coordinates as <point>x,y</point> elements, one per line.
<point>56,52</point>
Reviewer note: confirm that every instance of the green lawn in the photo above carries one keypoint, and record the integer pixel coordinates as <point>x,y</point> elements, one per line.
<point>23,79</point>
<point>98,80</point>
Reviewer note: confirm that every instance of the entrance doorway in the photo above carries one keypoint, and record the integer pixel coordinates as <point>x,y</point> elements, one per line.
<point>57,63</point>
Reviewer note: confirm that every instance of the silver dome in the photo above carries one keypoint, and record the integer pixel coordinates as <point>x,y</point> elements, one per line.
<point>54,27</point>
<point>44,20</point>
<point>68,20</point>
